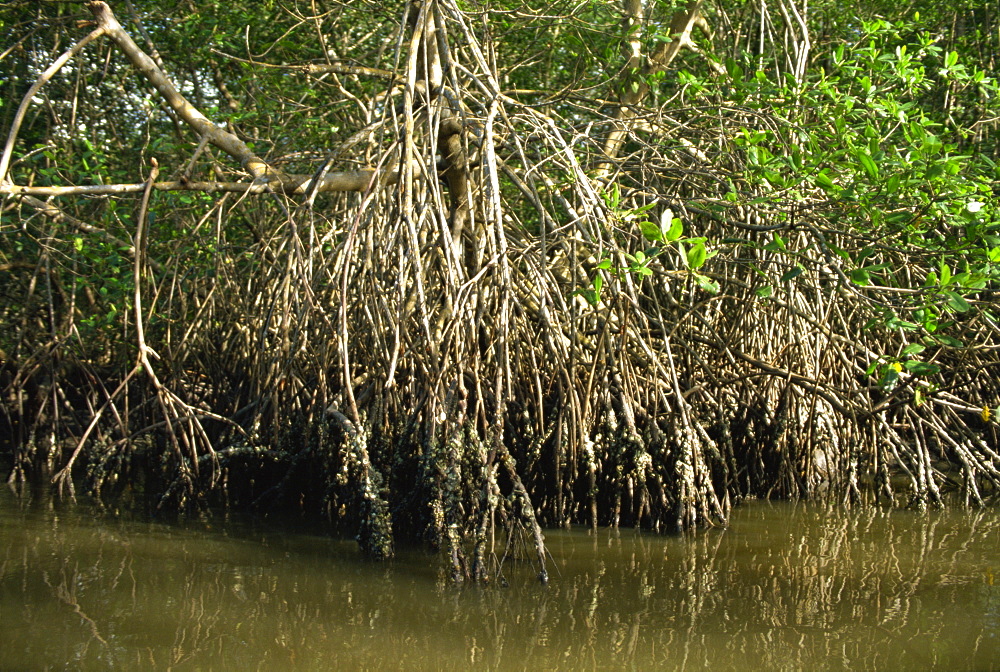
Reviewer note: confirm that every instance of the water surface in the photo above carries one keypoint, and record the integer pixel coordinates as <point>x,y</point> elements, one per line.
<point>786,586</point>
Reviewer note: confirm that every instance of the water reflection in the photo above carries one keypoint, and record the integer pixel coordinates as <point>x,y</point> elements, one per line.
<point>785,587</point>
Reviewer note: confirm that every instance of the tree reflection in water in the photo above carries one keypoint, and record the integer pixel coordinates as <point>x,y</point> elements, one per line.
<point>785,587</point>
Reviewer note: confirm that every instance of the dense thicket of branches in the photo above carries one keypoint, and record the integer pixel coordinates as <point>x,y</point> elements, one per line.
<point>440,268</point>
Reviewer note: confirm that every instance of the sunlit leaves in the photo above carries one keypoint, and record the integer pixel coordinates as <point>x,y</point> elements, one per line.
<point>868,164</point>
<point>696,255</point>
<point>956,302</point>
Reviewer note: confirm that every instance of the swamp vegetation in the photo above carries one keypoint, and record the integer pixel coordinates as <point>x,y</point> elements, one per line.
<point>449,271</point>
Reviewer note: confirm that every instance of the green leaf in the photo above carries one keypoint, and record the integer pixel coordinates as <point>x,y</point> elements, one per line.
<point>889,379</point>
<point>706,283</point>
<point>949,341</point>
<point>774,177</point>
<point>913,349</point>
<point>859,276</point>
<point>969,280</point>
<point>867,163</point>
<point>895,322</point>
<point>921,368</point>
<point>765,291</point>
<point>864,254</point>
<point>651,231</point>
<point>696,256</point>
<point>597,282</point>
<point>675,230</point>
<point>613,198</point>
<point>734,70</point>
<point>792,274</point>
<point>957,302</point>
<point>945,274</point>
<point>843,254</point>
<point>777,244</point>
<point>824,181</point>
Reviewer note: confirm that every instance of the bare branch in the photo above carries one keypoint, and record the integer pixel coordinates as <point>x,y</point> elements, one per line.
<point>204,127</point>
<point>356,180</point>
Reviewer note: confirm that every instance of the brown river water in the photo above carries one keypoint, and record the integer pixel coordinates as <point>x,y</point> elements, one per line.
<point>785,587</point>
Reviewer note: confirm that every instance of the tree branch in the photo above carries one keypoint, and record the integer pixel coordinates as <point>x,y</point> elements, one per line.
<point>355,180</point>
<point>220,138</point>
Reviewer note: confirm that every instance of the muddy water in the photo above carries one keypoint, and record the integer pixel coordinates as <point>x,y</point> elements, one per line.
<point>785,587</point>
